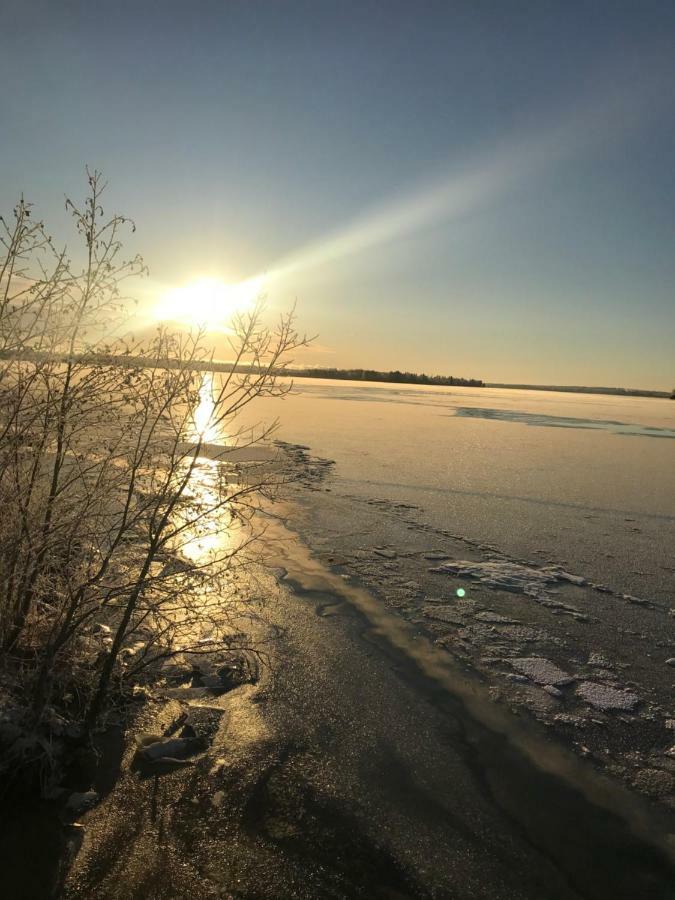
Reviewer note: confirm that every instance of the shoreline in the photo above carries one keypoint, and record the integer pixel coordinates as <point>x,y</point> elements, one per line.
<point>291,795</point>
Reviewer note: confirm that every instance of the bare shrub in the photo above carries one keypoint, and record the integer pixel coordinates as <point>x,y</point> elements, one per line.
<point>122,524</point>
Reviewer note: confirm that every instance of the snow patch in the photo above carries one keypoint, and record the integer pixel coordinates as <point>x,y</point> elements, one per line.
<point>510,576</point>
<point>540,670</point>
<point>494,618</point>
<point>601,696</point>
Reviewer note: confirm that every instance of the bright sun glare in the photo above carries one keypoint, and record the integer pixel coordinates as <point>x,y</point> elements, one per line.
<point>208,303</point>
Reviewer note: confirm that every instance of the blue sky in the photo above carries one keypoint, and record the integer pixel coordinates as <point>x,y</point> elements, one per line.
<point>479,188</point>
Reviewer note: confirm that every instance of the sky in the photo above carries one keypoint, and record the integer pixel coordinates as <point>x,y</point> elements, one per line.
<point>483,189</point>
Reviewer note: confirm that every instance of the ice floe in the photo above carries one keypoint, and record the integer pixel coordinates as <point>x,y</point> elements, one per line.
<point>510,576</point>
<point>540,670</point>
<point>494,618</point>
<point>604,697</point>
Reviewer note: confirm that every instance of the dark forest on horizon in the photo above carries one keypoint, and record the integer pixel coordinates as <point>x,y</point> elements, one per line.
<point>395,376</point>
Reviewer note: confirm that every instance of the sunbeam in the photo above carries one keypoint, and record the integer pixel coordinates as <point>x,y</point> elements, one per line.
<point>467,189</point>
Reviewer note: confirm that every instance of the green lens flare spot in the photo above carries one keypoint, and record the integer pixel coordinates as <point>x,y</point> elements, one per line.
<point>460,592</point>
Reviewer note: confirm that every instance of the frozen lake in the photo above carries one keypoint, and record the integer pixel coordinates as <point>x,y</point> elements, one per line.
<point>584,480</point>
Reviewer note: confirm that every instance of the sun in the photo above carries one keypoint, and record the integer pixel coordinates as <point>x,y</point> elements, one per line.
<point>208,303</point>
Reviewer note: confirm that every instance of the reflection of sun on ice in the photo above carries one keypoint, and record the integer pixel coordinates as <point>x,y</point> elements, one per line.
<point>205,428</point>
<point>208,303</point>
<point>212,532</point>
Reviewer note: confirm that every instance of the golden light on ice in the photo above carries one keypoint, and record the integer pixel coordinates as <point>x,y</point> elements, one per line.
<point>205,428</point>
<point>208,303</point>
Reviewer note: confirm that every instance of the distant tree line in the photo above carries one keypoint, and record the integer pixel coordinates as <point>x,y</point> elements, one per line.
<point>395,376</point>
<point>584,389</point>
